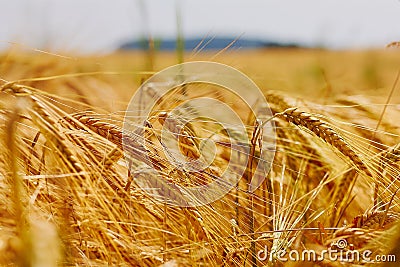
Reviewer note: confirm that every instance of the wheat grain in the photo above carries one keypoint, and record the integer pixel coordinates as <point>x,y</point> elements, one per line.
<point>115,135</point>
<point>147,154</point>
<point>375,220</point>
<point>133,149</point>
<point>113,156</point>
<point>107,130</point>
<point>183,132</point>
<point>393,45</point>
<point>342,194</point>
<point>99,160</point>
<point>392,155</point>
<point>47,125</point>
<point>196,221</point>
<point>325,132</point>
<point>279,103</point>
<point>59,142</point>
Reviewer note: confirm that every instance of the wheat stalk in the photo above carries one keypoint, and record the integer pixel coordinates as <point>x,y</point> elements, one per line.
<point>256,141</point>
<point>20,196</point>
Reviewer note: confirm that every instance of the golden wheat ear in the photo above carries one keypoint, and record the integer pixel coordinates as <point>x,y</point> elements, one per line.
<point>325,132</point>
<point>47,124</point>
<point>392,155</point>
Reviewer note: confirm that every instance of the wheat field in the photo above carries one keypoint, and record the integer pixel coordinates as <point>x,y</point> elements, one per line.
<point>69,198</point>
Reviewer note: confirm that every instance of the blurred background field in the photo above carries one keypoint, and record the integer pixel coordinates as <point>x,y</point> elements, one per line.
<point>316,73</point>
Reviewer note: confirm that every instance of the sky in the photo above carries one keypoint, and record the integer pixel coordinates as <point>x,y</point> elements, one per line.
<point>99,26</point>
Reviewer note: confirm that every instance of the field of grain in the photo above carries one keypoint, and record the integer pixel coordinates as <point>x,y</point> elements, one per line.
<point>68,197</point>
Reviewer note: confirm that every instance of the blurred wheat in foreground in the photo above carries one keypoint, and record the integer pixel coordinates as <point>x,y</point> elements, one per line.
<point>68,199</point>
